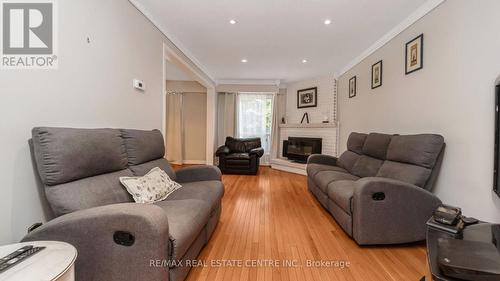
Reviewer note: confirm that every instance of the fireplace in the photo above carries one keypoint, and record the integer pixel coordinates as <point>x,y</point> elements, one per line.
<point>299,149</point>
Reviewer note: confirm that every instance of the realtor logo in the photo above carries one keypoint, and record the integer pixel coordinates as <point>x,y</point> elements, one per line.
<point>28,37</point>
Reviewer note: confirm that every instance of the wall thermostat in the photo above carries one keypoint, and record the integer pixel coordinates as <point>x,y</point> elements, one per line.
<point>139,85</point>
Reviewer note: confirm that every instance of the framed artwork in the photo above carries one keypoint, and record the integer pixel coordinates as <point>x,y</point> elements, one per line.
<point>414,54</point>
<point>377,75</point>
<point>352,87</point>
<point>307,98</point>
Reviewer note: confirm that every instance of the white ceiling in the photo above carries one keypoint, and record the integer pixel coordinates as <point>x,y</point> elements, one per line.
<point>275,35</point>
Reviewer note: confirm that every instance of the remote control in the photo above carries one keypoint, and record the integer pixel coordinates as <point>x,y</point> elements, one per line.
<point>18,256</point>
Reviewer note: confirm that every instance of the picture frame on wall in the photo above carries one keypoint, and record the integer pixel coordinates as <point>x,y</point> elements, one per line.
<point>307,98</point>
<point>414,54</point>
<point>352,87</point>
<point>377,74</point>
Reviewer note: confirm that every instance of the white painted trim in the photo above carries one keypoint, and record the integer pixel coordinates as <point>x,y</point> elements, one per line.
<point>423,10</point>
<point>194,162</point>
<point>171,38</point>
<point>288,166</point>
<point>249,82</point>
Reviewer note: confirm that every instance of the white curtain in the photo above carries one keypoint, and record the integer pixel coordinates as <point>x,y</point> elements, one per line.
<point>255,119</point>
<point>175,130</point>
<point>226,109</point>
<point>275,130</point>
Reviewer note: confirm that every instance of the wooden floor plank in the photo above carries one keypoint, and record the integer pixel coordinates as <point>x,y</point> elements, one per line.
<point>272,216</point>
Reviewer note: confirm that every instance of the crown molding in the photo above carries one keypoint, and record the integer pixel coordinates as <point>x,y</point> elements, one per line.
<point>423,10</point>
<point>172,39</point>
<point>249,82</point>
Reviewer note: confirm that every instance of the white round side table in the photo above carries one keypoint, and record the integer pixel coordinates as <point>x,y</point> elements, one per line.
<point>54,263</point>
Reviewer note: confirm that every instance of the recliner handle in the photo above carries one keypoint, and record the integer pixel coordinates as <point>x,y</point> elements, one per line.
<point>378,196</point>
<point>124,238</point>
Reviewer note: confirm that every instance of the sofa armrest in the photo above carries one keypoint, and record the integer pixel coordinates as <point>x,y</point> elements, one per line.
<point>322,159</point>
<point>388,211</point>
<point>92,232</point>
<point>223,150</point>
<point>259,151</point>
<point>198,173</point>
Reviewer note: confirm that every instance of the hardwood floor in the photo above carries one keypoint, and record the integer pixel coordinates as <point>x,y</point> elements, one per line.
<point>273,220</point>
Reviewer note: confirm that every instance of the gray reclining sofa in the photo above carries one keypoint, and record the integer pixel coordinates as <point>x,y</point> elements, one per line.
<point>117,239</point>
<point>379,190</point>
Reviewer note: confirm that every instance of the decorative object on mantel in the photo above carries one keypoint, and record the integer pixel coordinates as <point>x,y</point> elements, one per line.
<point>307,98</point>
<point>283,120</point>
<point>414,55</point>
<point>377,74</point>
<point>352,87</point>
<point>306,117</point>
<point>310,125</point>
<point>325,117</point>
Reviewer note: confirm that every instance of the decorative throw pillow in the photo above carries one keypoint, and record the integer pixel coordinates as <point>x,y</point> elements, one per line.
<point>155,186</point>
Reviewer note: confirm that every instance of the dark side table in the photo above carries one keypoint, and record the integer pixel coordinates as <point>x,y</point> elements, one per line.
<point>481,232</point>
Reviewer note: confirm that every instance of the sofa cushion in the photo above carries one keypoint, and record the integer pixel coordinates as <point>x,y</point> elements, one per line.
<point>144,168</point>
<point>341,192</point>
<point>186,219</point>
<point>238,156</point>
<point>421,150</point>
<point>366,166</point>
<point>235,145</point>
<point>66,154</point>
<point>355,142</point>
<point>324,178</point>
<point>348,159</point>
<point>143,146</point>
<point>209,191</point>
<point>405,172</point>
<point>88,193</point>
<point>313,169</point>
<point>376,145</point>
<point>252,144</point>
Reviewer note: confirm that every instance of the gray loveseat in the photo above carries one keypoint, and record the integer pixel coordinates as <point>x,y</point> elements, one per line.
<point>379,190</point>
<point>117,239</point>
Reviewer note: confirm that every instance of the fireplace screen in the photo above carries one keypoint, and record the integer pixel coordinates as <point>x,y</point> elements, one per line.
<point>299,149</point>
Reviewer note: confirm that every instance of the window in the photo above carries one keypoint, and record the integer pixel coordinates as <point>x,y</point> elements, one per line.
<point>254,117</point>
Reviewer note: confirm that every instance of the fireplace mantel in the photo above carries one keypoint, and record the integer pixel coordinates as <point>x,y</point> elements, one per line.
<point>310,125</point>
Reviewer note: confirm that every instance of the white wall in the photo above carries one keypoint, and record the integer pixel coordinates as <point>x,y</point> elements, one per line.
<point>326,100</point>
<point>452,95</point>
<point>91,88</point>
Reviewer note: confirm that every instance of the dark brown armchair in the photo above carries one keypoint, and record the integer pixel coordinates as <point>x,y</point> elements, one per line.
<point>240,156</point>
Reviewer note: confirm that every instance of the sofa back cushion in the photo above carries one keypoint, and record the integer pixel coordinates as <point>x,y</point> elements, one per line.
<point>413,174</point>
<point>252,143</point>
<point>348,159</point>
<point>88,193</point>
<point>143,146</point>
<point>376,145</point>
<point>409,158</point>
<point>421,150</point>
<point>235,145</point>
<point>64,154</point>
<point>238,145</point>
<point>366,166</point>
<point>162,163</point>
<point>355,142</point>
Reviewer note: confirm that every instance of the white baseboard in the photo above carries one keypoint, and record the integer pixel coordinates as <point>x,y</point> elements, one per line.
<point>288,166</point>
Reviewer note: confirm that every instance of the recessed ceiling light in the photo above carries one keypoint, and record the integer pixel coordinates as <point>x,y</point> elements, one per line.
<point>327,21</point>
<point>244,60</point>
<point>304,61</point>
<point>232,21</point>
